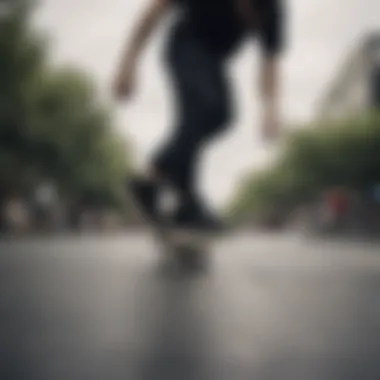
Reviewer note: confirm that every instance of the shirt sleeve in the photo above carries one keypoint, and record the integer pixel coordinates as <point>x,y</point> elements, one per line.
<point>271,29</point>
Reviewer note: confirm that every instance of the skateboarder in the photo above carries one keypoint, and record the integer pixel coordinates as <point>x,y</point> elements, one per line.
<point>204,36</point>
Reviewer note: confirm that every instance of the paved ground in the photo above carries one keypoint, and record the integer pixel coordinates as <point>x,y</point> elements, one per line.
<point>271,307</point>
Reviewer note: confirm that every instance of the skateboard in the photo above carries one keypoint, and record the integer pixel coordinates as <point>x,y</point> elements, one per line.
<point>187,249</point>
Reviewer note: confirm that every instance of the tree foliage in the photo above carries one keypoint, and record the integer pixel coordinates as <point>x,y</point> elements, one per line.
<point>344,154</point>
<point>52,124</point>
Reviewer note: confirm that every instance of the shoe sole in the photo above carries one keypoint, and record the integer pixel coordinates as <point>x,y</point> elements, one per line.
<point>174,236</point>
<point>171,236</point>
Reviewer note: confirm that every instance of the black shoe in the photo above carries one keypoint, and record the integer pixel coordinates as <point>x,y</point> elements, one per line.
<point>145,194</point>
<point>194,215</point>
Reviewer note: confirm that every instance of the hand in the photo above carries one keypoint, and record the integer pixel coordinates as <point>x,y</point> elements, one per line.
<point>124,84</point>
<point>270,127</point>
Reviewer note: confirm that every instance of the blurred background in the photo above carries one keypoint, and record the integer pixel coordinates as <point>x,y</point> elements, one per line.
<point>66,148</point>
<point>292,295</point>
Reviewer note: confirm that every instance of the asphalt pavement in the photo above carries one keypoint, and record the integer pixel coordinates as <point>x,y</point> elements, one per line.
<point>269,307</point>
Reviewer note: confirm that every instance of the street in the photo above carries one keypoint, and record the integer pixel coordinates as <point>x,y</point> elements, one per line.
<point>270,307</point>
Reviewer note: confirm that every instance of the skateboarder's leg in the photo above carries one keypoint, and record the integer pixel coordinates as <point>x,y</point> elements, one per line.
<point>204,109</point>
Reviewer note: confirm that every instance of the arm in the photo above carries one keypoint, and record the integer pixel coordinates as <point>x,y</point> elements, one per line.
<point>141,34</point>
<point>271,38</point>
<point>269,93</point>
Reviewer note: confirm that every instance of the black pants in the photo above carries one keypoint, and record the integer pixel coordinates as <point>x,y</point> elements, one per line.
<point>203,104</point>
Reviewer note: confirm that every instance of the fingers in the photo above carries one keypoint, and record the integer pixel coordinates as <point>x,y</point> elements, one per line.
<point>122,91</point>
<point>123,86</point>
<point>270,130</point>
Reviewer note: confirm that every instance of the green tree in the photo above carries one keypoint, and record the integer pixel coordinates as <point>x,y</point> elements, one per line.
<point>73,135</point>
<point>339,154</point>
<point>52,123</point>
<point>21,59</point>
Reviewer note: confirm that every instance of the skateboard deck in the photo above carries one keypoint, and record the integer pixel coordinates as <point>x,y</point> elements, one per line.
<point>189,248</point>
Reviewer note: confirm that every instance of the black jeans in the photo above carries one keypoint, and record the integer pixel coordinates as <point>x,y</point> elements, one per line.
<point>203,107</point>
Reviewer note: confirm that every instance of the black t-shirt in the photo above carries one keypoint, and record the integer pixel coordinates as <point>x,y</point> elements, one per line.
<point>219,25</point>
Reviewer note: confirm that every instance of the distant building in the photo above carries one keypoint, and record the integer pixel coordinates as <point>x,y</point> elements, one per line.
<point>356,87</point>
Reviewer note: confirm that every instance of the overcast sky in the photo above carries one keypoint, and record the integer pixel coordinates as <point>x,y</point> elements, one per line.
<point>320,34</point>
